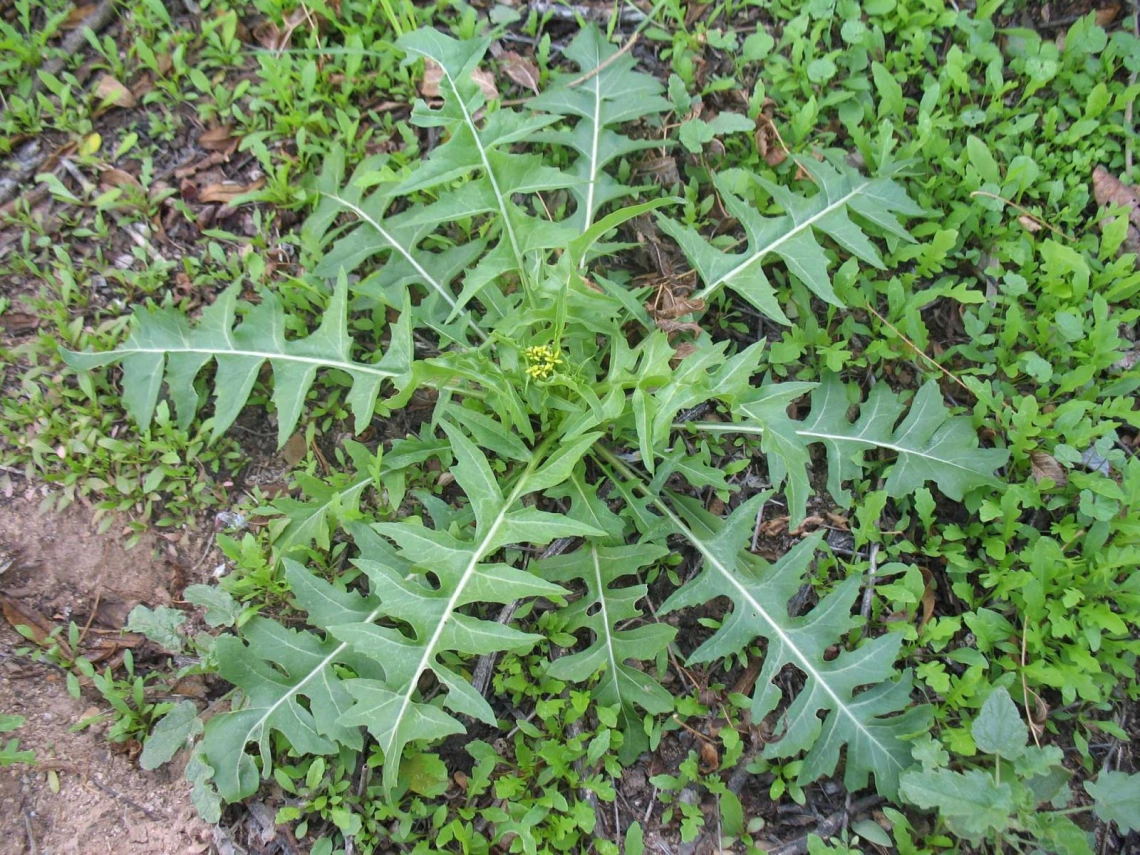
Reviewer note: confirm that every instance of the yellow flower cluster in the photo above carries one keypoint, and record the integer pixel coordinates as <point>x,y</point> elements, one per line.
<point>543,360</point>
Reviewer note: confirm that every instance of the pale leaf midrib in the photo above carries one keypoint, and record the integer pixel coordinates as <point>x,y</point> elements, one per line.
<point>714,427</point>
<point>772,247</point>
<point>350,367</point>
<point>253,733</point>
<point>597,132</point>
<point>406,254</point>
<point>605,616</point>
<point>508,227</point>
<point>801,661</point>
<point>468,572</point>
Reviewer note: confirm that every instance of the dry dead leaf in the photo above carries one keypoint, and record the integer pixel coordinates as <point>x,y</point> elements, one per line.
<point>1125,363</point>
<point>17,321</point>
<point>108,649</point>
<point>710,759</point>
<point>486,83</point>
<point>192,686</point>
<point>1029,224</point>
<point>667,305</point>
<point>433,73</point>
<point>293,451</point>
<point>144,85</point>
<point>78,16</point>
<point>521,70</point>
<point>19,614</point>
<point>684,349</point>
<point>212,159</point>
<point>110,91</point>
<point>809,524</point>
<point>663,168</point>
<point>1107,15</point>
<point>219,139</point>
<point>666,325</point>
<point>768,142</point>
<point>274,37</point>
<point>774,526</point>
<point>227,191</point>
<point>838,521</point>
<point>117,178</point>
<point>1109,190</point>
<point>1046,466</point>
<point>927,597</point>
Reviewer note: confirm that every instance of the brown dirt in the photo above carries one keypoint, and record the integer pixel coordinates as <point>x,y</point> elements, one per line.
<point>61,570</point>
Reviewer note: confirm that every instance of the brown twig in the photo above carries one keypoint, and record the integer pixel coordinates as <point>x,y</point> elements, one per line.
<point>869,589</point>
<point>1025,688</point>
<point>149,814</point>
<point>32,848</point>
<point>695,733</point>
<point>1025,211</point>
<point>91,617</point>
<point>916,348</point>
<point>594,72</point>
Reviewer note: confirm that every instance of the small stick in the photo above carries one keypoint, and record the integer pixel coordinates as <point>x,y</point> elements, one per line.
<point>1025,688</point>
<point>916,349</point>
<point>617,816</point>
<point>756,530</point>
<point>71,767</point>
<point>32,849</point>
<point>91,617</point>
<point>1025,211</point>
<point>865,609</point>
<point>649,807</point>
<point>695,733</point>
<point>485,667</point>
<point>594,72</point>
<point>149,814</point>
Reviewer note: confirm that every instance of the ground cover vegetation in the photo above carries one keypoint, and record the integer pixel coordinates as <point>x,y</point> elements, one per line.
<point>702,427</point>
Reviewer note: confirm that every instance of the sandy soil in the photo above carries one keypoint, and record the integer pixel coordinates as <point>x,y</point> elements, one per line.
<point>85,795</point>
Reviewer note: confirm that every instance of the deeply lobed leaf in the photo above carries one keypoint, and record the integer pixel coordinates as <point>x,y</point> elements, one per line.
<point>600,564</point>
<point>928,444</point>
<point>790,236</point>
<point>393,636</point>
<point>483,151</point>
<point>164,345</point>
<point>848,701</point>
<point>606,93</point>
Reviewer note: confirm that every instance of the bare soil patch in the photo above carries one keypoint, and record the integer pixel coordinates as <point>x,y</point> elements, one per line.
<point>60,570</point>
